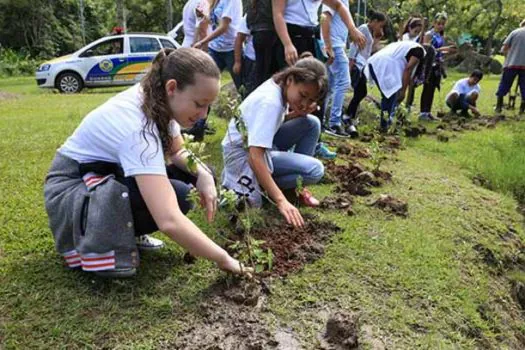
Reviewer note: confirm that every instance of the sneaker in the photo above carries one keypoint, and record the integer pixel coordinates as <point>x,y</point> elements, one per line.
<point>346,119</point>
<point>352,131</point>
<point>337,131</point>
<point>322,151</point>
<point>306,198</point>
<point>427,117</point>
<point>146,242</point>
<point>117,273</point>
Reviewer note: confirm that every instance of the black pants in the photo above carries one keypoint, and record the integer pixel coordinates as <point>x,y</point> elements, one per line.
<point>429,88</point>
<point>265,43</point>
<point>360,91</point>
<point>180,180</point>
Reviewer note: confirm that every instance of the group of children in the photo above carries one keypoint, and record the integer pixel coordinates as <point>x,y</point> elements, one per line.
<point>109,185</point>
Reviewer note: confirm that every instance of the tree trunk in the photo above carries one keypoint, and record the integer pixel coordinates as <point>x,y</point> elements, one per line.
<point>169,13</point>
<point>121,17</point>
<point>492,32</point>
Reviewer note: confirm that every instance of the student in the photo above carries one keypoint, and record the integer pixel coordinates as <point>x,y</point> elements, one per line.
<point>436,38</point>
<point>245,65</point>
<point>465,93</point>
<point>277,147</point>
<point>514,65</point>
<point>391,69</point>
<point>225,16</point>
<point>412,29</point>
<point>195,21</point>
<point>108,182</point>
<point>335,36</point>
<point>358,58</point>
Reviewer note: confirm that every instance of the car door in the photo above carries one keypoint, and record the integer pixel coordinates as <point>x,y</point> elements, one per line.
<point>104,60</point>
<point>142,51</point>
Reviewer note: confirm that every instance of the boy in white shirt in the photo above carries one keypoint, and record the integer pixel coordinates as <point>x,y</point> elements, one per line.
<point>465,93</point>
<point>244,65</point>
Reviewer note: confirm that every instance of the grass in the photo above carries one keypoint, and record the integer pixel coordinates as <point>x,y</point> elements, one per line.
<point>416,282</point>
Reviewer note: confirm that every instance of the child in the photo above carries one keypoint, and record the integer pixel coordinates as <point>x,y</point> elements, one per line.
<point>109,183</point>
<point>335,35</point>
<point>465,93</point>
<point>245,59</point>
<point>412,29</point>
<point>392,69</point>
<point>195,21</point>
<point>358,59</point>
<point>261,158</point>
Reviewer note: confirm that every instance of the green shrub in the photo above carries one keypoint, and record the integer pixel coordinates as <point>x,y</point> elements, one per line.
<point>13,63</point>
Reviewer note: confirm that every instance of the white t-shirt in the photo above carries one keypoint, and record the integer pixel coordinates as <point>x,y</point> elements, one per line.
<point>231,9</point>
<point>191,19</point>
<point>462,87</point>
<point>113,133</point>
<point>362,56</point>
<point>338,29</point>
<point>263,114</point>
<point>406,37</point>
<point>303,13</point>
<point>249,51</point>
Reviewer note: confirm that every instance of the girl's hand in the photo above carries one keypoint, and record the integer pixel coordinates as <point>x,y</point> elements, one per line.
<point>290,54</point>
<point>208,193</point>
<point>290,213</point>
<point>330,53</point>
<point>237,68</point>
<point>199,44</point>
<point>358,38</point>
<point>232,265</point>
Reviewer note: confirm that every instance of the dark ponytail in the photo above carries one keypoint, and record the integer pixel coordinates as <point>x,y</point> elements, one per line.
<point>376,16</point>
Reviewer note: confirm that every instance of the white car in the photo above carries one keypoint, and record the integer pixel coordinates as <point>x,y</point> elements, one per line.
<point>114,60</point>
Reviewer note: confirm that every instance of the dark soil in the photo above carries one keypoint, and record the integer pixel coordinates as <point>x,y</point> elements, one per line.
<point>354,178</point>
<point>292,248</point>
<point>391,205</point>
<point>342,331</point>
<point>353,151</point>
<point>453,122</point>
<point>342,201</point>
<point>414,131</point>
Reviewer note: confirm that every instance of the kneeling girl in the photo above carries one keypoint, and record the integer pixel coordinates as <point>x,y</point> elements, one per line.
<point>270,147</point>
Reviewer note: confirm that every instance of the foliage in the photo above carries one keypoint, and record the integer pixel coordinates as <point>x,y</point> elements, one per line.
<point>378,155</point>
<point>15,64</point>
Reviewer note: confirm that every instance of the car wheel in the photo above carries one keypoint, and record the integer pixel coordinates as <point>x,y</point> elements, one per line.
<point>69,83</point>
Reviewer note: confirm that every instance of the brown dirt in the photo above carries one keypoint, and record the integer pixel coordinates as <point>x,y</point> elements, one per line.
<point>342,201</point>
<point>7,96</point>
<point>391,205</point>
<point>341,331</point>
<point>414,131</point>
<point>457,123</point>
<point>353,151</point>
<point>292,248</point>
<point>353,178</point>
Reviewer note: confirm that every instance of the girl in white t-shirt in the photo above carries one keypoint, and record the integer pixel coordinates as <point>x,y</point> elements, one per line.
<point>277,146</point>
<point>109,183</point>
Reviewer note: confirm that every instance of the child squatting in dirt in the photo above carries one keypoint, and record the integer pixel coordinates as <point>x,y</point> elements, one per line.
<point>465,93</point>
<point>257,144</point>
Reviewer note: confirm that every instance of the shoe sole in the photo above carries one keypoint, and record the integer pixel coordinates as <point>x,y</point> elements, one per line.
<point>124,273</point>
<point>147,248</point>
<point>331,133</point>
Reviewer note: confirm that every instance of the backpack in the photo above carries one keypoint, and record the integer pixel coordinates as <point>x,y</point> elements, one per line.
<point>259,15</point>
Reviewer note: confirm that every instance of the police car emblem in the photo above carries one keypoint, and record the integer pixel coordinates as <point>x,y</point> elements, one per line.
<point>106,65</point>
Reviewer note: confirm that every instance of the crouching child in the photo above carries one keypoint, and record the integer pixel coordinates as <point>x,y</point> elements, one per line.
<point>465,94</point>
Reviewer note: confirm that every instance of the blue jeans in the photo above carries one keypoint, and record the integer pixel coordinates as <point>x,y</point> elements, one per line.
<point>507,78</point>
<point>225,60</point>
<point>339,83</point>
<point>388,104</point>
<point>302,134</point>
<point>462,101</point>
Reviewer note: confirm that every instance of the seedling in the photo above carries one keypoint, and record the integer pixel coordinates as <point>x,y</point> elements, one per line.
<point>378,155</point>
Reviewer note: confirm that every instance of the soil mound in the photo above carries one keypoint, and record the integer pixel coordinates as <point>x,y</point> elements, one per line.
<point>342,331</point>
<point>354,178</point>
<point>391,205</point>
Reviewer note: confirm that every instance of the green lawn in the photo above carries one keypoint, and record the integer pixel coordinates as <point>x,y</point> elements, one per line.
<point>416,282</point>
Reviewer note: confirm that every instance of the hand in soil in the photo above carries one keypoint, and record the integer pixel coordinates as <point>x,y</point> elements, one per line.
<point>234,266</point>
<point>290,213</point>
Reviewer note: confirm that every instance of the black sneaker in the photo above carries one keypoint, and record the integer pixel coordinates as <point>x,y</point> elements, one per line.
<point>337,131</point>
<point>352,131</point>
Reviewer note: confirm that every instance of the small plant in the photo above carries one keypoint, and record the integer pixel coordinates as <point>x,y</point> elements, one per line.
<point>378,155</point>
<point>196,153</point>
<point>299,185</point>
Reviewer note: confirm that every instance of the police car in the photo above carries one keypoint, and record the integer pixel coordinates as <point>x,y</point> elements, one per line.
<point>114,60</point>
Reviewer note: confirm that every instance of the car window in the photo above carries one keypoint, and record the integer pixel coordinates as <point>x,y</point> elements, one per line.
<point>138,44</point>
<point>167,43</point>
<point>108,47</point>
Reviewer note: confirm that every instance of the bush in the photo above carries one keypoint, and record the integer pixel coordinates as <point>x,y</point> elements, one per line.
<point>14,63</point>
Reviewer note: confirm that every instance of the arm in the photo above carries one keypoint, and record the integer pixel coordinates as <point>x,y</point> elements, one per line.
<point>505,49</point>
<point>407,75</point>
<point>326,23</point>
<point>161,200</point>
<point>355,34</point>
<point>221,29</point>
<point>205,181</point>
<point>258,164</point>
<point>290,52</point>
<point>239,40</point>
<point>202,30</point>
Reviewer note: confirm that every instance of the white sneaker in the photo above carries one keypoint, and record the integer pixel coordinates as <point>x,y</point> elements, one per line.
<point>146,242</point>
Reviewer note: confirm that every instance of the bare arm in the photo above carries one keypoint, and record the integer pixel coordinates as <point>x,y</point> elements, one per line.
<point>326,23</point>
<point>202,30</point>
<point>239,40</point>
<point>258,164</point>
<point>344,12</point>
<point>221,29</point>
<point>290,52</point>
<point>407,75</point>
<point>505,49</point>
